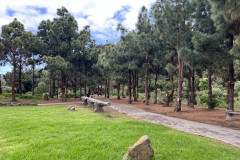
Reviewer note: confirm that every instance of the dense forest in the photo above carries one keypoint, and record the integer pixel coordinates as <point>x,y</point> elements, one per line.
<point>182,51</point>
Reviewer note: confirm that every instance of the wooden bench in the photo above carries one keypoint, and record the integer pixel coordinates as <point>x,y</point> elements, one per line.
<point>230,113</point>
<point>95,103</point>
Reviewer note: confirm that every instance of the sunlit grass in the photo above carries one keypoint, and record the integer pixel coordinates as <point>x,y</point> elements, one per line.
<point>55,133</point>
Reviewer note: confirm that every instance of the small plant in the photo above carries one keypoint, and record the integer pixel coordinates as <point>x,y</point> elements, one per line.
<point>108,115</point>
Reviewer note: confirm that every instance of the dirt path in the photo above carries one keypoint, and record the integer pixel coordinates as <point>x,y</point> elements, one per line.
<point>223,134</point>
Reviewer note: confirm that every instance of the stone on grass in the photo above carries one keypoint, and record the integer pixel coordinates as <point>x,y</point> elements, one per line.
<point>71,108</point>
<point>141,150</point>
<point>191,105</point>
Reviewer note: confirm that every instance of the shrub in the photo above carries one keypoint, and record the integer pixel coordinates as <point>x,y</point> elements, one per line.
<point>7,95</point>
<point>203,83</point>
<point>204,99</point>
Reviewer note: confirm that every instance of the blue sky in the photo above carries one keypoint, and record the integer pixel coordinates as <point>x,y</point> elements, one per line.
<point>102,16</point>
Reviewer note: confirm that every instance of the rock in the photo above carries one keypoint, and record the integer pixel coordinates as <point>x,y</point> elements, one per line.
<point>191,105</point>
<point>71,108</point>
<point>143,101</point>
<point>141,150</point>
<point>99,108</point>
<point>45,97</point>
<point>90,104</point>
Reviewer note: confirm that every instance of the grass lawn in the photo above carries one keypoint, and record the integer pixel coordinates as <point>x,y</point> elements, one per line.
<point>55,133</point>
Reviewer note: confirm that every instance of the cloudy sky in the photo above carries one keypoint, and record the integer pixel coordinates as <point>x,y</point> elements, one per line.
<point>101,15</point>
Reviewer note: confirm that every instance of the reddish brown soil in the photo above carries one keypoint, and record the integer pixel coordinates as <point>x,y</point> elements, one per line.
<point>198,114</point>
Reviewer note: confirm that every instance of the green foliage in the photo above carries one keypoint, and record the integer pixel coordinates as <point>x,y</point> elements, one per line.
<point>203,83</point>
<point>170,68</point>
<point>41,89</point>
<point>237,86</point>
<point>6,89</point>
<point>27,96</point>
<point>24,96</point>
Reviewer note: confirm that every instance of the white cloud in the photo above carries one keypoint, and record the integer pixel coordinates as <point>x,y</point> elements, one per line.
<point>98,14</point>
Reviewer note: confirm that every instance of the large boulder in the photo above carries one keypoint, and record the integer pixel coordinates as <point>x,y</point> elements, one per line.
<point>141,150</point>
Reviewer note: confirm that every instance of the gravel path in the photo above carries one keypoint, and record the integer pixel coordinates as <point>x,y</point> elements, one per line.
<point>223,134</point>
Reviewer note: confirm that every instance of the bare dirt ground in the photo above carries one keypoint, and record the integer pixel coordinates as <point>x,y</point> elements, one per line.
<point>197,114</point>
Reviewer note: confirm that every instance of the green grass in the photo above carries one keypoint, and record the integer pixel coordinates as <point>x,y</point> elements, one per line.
<point>55,133</point>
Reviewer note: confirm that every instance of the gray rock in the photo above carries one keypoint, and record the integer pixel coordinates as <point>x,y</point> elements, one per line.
<point>99,108</point>
<point>191,105</point>
<point>71,108</point>
<point>90,104</point>
<point>229,115</point>
<point>84,102</point>
<point>141,150</point>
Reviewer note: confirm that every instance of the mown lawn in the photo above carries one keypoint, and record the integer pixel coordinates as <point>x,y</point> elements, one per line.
<point>55,133</point>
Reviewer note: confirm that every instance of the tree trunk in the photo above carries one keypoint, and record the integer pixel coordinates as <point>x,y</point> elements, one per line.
<point>75,86</point>
<point>85,89</point>
<point>129,87</point>
<point>189,87</point>
<point>146,81</point>
<point>194,101</point>
<point>134,86</point>
<point>20,80</point>
<point>149,86</point>
<point>66,88</point>
<point>98,90</point>
<point>58,87</point>
<point>108,88</point>
<point>118,90</point>
<point>0,84</point>
<point>50,86</point>
<point>123,91</point>
<point>13,82</point>
<point>231,79</point>
<point>155,93</point>
<point>137,87</point>
<point>63,86</point>
<point>180,81</point>
<point>53,88</point>
<point>33,82</point>
<point>105,88</point>
<point>101,90</point>
<point>80,87</point>
<point>172,90</point>
<point>172,83</point>
<point>210,105</point>
<point>231,82</point>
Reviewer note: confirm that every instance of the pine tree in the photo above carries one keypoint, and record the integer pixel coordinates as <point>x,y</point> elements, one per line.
<point>59,35</point>
<point>144,30</point>
<point>225,14</point>
<point>16,42</point>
